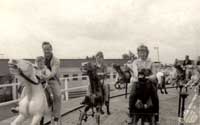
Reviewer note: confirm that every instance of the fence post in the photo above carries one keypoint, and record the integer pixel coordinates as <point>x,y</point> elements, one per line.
<point>14,90</point>
<point>66,89</point>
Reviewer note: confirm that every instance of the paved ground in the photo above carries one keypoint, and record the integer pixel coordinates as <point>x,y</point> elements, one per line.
<point>119,110</point>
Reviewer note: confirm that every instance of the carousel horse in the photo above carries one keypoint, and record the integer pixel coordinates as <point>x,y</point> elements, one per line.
<point>96,94</point>
<point>180,79</point>
<point>33,104</point>
<point>123,76</point>
<point>195,79</point>
<point>171,76</point>
<point>144,100</point>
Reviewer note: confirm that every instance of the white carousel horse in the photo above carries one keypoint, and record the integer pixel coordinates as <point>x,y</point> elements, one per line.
<point>172,76</point>
<point>34,103</point>
<point>161,76</point>
<point>195,79</point>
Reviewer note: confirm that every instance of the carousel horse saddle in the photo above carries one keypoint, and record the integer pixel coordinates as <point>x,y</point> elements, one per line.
<point>49,95</point>
<point>47,90</point>
<point>92,100</point>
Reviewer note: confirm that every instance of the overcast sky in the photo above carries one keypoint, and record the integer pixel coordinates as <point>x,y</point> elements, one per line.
<point>78,28</point>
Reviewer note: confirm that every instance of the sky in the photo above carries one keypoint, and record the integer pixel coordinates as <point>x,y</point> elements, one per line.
<point>80,28</point>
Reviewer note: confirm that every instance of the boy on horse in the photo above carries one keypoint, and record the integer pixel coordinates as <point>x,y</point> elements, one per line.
<point>102,73</point>
<point>139,64</point>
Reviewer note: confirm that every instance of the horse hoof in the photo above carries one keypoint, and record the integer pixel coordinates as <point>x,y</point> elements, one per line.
<point>108,113</point>
<point>102,112</point>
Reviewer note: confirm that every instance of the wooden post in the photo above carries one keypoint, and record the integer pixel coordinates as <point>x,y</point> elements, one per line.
<point>66,92</point>
<point>14,90</point>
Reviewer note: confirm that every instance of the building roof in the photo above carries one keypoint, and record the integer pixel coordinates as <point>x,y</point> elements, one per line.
<point>77,62</point>
<point>4,67</point>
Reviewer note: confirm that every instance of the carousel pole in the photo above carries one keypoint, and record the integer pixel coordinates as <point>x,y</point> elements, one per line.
<point>180,100</point>
<point>181,118</point>
<point>126,90</point>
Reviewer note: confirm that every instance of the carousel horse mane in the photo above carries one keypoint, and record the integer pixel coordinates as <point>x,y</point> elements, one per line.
<point>25,69</point>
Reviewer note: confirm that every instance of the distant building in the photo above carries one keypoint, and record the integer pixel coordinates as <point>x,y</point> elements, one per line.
<point>5,78</point>
<point>3,67</point>
<point>69,67</point>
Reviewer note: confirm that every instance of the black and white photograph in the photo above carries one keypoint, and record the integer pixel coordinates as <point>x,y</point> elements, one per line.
<point>99,62</point>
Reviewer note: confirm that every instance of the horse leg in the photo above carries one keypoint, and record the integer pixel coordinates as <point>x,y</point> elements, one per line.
<point>165,90</point>
<point>42,121</point>
<point>97,115</point>
<point>36,120</point>
<point>18,121</point>
<point>161,91</point>
<point>107,107</point>
<point>107,97</point>
<point>135,119</point>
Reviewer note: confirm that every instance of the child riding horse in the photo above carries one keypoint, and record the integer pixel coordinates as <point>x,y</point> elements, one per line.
<point>95,97</point>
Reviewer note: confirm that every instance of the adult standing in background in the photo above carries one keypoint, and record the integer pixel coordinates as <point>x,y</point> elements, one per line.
<point>198,61</point>
<point>53,64</point>
<point>187,63</point>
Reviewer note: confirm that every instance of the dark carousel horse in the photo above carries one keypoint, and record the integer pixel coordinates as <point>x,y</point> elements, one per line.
<point>144,100</point>
<point>95,99</point>
<point>181,76</point>
<point>123,76</point>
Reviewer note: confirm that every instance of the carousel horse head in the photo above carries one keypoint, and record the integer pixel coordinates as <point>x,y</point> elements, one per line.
<point>87,67</point>
<point>180,73</point>
<point>143,74</point>
<point>116,66</point>
<point>23,70</point>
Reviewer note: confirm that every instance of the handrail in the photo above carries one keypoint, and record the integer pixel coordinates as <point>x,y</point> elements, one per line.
<point>9,85</point>
<point>63,90</point>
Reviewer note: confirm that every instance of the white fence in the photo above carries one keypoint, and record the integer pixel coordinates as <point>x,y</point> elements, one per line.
<point>65,89</point>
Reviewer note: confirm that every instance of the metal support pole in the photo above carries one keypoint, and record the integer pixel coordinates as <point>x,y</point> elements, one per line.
<point>126,90</point>
<point>180,100</point>
<point>183,96</point>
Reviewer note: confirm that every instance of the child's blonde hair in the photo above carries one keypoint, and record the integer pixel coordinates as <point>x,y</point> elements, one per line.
<point>39,59</point>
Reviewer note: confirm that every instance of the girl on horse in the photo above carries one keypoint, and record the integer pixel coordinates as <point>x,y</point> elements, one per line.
<point>141,63</point>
